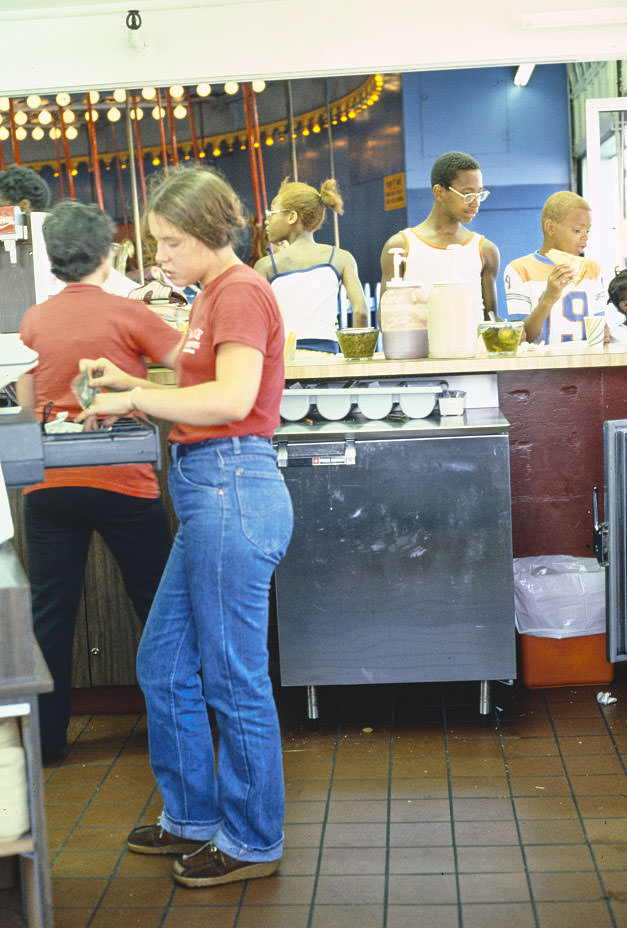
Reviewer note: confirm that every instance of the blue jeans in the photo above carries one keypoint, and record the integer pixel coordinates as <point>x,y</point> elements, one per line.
<point>205,644</point>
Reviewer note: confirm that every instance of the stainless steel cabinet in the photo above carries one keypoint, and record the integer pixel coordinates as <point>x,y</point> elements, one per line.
<point>400,566</point>
<point>614,537</point>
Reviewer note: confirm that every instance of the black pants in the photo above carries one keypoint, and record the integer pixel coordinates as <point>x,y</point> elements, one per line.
<point>59,525</point>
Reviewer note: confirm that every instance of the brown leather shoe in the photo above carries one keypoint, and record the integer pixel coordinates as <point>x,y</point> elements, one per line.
<point>153,839</point>
<point>210,867</point>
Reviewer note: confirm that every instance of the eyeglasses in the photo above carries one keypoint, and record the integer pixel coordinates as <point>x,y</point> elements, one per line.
<point>272,212</point>
<point>471,197</point>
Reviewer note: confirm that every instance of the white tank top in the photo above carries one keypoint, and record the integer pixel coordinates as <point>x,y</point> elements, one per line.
<point>309,300</point>
<point>431,264</point>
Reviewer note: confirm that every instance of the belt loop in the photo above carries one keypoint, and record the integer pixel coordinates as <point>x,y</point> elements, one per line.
<point>236,444</point>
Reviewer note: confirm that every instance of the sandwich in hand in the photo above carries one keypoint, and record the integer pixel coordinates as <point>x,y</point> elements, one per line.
<point>578,263</point>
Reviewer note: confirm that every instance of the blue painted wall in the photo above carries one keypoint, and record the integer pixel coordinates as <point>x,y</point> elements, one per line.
<point>519,135</point>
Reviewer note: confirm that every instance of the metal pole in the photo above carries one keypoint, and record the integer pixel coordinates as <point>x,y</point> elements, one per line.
<point>134,198</point>
<point>336,225</point>
<point>290,122</point>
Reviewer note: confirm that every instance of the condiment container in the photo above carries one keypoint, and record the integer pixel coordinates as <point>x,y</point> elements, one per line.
<point>501,337</point>
<point>358,344</point>
<point>403,316</point>
<point>452,402</point>
<point>452,321</point>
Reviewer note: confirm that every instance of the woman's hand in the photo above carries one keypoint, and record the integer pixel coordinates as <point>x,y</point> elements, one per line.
<point>104,373</point>
<point>112,405</point>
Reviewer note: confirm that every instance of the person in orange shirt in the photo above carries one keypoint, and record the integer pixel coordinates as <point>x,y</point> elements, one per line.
<point>120,502</point>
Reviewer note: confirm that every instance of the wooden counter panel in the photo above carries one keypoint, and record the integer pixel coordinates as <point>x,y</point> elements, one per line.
<point>556,449</point>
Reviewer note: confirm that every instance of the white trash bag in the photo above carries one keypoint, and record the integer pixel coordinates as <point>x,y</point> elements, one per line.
<point>559,596</point>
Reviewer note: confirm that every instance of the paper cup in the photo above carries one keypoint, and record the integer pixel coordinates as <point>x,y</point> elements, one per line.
<point>290,347</point>
<point>595,332</point>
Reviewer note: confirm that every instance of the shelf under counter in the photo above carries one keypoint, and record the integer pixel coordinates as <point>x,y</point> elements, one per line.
<point>473,421</point>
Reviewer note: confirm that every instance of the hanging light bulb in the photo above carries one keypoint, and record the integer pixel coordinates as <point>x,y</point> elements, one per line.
<point>63,99</point>
<point>177,91</point>
<point>149,93</point>
<point>94,96</point>
<point>158,112</point>
<point>20,118</point>
<point>217,151</point>
<point>269,140</point>
<point>156,162</point>
<point>114,115</point>
<point>231,87</point>
<point>203,90</point>
<point>20,133</point>
<point>45,117</point>
<point>33,101</point>
<point>4,133</point>
<point>180,112</point>
<point>259,86</point>
<point>5,105</point>
<point>54,133</point>
<point>137,113</point>
<point>38,133</point>
<point>316,128</point>
<point>93,116</point>
<point>71,132</point>
<point>119,95</point>
<point>69,116</point>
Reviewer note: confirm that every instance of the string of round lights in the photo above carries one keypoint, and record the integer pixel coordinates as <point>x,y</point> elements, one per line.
<point>38,117</point>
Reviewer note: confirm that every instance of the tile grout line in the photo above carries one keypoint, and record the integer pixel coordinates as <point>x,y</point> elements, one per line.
<point>123,852</point>
<point>388,826</point>
<point>96,788</point>
<point>580,816</point>
<point>325,818</point>
<point>460,914</point>
<point>612,738</point>
<point>512,800</point>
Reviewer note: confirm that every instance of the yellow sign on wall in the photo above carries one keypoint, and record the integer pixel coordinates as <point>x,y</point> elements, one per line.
<point>394,191</point>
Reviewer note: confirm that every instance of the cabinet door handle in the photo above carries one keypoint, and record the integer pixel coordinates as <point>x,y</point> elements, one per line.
<point>95,651</point>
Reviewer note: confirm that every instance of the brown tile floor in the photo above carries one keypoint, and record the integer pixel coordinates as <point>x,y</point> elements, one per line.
<point>403,811</point>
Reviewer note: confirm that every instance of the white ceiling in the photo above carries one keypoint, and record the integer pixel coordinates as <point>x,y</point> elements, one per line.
<point>49,45</point>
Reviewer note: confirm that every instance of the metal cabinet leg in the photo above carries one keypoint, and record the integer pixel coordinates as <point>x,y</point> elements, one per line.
<point>484,697</point>
<point>312,706</point>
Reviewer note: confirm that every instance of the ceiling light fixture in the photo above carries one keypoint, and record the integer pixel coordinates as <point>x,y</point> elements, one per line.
<point>523,73</point>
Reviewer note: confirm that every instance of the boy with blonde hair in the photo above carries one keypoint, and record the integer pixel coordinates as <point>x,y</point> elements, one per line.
<point>555,288</point>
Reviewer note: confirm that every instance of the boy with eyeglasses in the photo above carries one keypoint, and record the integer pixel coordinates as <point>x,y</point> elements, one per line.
<point>555,288</point>
<point>441,249</point>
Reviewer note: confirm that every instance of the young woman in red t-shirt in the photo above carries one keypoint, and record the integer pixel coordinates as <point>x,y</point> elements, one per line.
<point>205,642</point>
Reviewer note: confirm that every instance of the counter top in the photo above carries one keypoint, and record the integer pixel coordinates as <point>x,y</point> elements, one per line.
<point>529,357</point>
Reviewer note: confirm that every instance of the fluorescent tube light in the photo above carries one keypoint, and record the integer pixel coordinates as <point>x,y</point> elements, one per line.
<point>523,73</point>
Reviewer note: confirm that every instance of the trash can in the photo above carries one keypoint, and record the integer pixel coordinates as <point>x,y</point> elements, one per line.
<point>560,617</point>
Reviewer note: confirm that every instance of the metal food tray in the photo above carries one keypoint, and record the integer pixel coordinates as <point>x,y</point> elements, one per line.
<point>128,441</point>
<point>335,399</point>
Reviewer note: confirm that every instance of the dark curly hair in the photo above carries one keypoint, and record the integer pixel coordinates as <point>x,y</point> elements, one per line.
<point>18,183</point>
<point>617,288</point>
<point>446,168</point>
<point>77,238</point>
